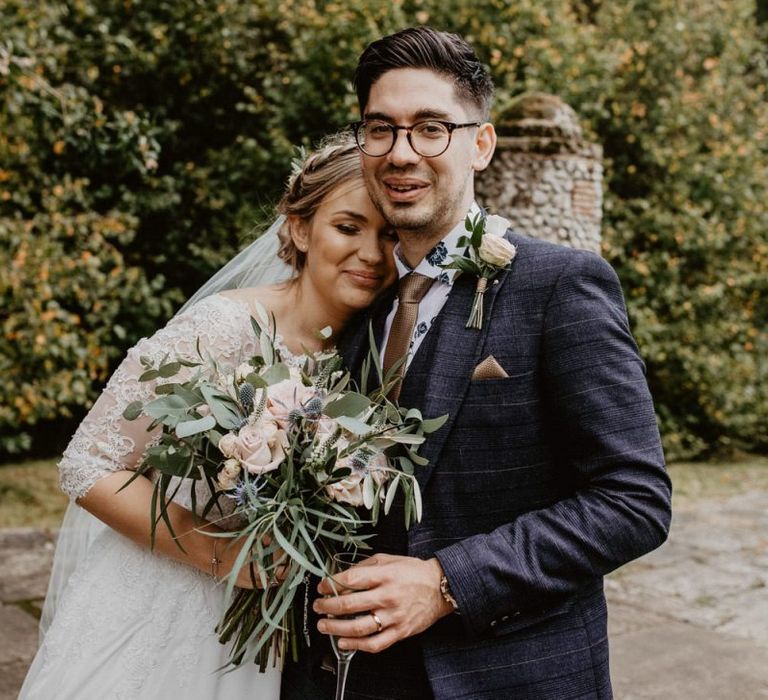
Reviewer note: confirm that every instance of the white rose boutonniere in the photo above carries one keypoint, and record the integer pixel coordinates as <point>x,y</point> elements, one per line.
<point>488,254</point>
<point>496,251</point>
<point>496,225</point>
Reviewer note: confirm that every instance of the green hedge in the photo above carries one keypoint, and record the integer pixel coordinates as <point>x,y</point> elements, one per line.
<point>141,143</point>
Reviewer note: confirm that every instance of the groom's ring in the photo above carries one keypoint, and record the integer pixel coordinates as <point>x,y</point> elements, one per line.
<point>379,625</point>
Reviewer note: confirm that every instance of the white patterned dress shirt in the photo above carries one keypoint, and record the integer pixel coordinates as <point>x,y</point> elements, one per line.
<point>435,298</point>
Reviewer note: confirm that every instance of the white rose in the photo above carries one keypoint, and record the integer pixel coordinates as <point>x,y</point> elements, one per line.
<point>243,370</point>
<point>496,251</point>
<point>229,475</point>
<point>496,225</point>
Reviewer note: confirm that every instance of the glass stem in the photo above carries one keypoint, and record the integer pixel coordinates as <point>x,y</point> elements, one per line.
<point>342,668</point>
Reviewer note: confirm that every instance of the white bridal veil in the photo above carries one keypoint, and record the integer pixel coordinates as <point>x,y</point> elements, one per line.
<point>255,265</point>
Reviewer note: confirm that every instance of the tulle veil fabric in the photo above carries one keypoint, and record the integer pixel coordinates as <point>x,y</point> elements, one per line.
<point>257,264</point>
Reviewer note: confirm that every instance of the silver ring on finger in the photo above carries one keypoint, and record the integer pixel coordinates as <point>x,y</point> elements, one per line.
<point>377,620</point>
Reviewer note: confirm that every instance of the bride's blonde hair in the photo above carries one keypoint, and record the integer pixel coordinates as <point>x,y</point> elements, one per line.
<point>335,161</point>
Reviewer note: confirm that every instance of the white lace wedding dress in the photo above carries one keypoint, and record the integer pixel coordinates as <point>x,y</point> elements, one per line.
<point>132,624</point>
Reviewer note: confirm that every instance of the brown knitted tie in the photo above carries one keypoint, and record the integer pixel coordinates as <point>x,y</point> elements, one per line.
<point>412,289</point>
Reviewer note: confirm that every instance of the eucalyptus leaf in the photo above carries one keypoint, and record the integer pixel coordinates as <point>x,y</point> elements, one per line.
<point>276,373</point>
<point>418,459</point>
<point>267,349</point>
<point>433,424</point>
<point>223,408</point>
<point>188,363</point>
<point>405,465</point>
<point>261,314</point>
<point>169,370</point>
<point>149,375</point>
<point>133,410</point>
<point>413,414</point>
<point>192,427</point>
<point>354,426</point>
<point>161,389</point>
<point>351,404</point>
<point>257,380</point>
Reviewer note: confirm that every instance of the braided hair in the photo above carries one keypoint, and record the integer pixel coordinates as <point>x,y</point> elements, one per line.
<point>335,161</point>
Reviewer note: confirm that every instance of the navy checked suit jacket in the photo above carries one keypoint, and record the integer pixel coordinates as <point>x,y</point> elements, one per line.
<point>540,483</point>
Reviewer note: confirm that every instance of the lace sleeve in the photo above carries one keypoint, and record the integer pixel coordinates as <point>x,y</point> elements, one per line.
<point>105,442</point>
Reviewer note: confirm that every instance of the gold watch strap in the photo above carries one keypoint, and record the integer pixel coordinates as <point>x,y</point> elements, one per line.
<point>446,593</point>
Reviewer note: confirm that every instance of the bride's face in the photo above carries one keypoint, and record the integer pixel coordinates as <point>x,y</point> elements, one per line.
<point>348,246</point>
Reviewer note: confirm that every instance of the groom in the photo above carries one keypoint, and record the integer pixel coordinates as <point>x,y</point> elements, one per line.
<point>548,473</point>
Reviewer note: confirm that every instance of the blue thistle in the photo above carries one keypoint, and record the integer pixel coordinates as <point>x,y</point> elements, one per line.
<point>313,408</point>
<point>358,462</point>
<point>245,492</point>
<point>247,394</point>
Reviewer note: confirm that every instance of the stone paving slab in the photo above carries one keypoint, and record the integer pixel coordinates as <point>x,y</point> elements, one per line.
<point>673,660</point>
<point>18,644</point>
<point>27,555</point>
<point>712,573</point>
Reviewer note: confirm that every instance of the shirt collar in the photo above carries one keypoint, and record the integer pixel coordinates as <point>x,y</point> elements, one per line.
<point>439,255</point>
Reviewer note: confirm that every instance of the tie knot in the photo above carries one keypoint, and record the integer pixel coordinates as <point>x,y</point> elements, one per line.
<point>413,287</point>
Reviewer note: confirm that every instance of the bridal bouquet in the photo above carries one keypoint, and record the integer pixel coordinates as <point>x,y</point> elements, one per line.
<point>296,456</point>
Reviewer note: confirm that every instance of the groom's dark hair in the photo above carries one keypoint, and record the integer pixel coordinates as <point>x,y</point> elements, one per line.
<point>424,47</point>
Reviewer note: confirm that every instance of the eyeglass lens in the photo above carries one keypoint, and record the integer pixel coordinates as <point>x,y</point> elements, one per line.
<point>376,138</point>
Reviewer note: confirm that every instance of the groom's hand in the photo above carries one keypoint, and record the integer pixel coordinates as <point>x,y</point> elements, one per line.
<point>402,593</point>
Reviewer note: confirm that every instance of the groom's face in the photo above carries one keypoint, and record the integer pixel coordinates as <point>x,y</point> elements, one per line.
<point>424,196</point>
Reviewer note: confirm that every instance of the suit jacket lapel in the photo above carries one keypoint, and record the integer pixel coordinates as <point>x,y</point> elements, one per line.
<point>457,353</point>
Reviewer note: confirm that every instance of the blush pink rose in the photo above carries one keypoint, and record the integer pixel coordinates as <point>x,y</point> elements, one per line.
<point>229,475</point>
<point>261,447</point>
<point>285,396</point>
<point>350,489</point>
<point>325,428</point>
<point>228,444</point>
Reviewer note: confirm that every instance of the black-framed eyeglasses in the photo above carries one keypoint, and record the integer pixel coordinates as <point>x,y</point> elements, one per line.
<point>428,139</point>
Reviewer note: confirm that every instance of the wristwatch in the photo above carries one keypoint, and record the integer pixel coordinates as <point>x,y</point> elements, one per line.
<point>446,593</point>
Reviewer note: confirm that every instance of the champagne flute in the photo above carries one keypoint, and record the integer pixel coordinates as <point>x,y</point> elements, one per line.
<point>342,562</point>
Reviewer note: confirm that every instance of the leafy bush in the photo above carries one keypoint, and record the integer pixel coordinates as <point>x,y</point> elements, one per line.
<point>141,143</point>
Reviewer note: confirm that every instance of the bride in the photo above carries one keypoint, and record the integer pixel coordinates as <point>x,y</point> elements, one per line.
<point>125,622</point>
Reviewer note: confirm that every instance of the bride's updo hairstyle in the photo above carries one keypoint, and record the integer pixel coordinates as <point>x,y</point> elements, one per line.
<point>334,162</point>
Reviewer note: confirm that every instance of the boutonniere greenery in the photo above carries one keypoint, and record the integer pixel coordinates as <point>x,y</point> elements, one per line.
<point>488,253</point>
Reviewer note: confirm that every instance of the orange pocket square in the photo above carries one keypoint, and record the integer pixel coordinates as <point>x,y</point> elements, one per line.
<point>489,369</point>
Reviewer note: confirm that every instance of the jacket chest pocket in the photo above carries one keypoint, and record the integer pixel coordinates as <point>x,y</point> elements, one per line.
<point>500,401</point>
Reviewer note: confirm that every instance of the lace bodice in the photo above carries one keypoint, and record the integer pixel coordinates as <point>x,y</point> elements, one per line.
<point>105,442</point>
